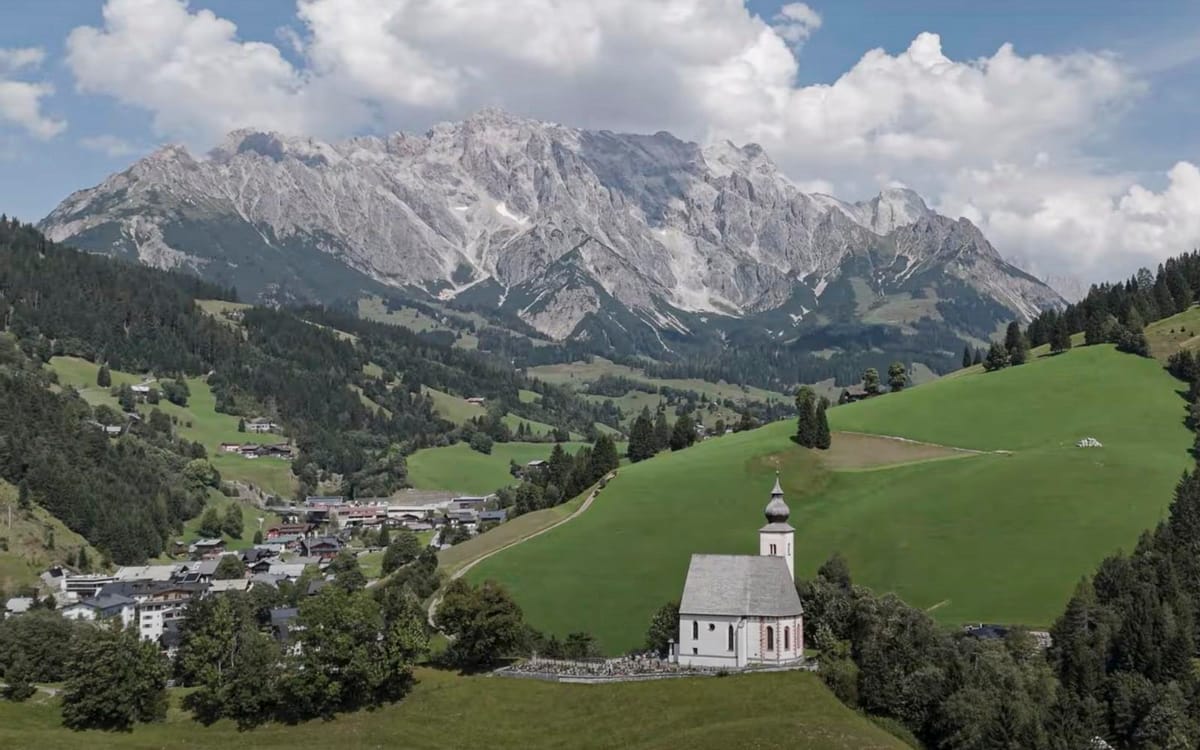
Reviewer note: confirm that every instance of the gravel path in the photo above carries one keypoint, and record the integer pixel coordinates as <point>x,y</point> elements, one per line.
<point>587,503</point>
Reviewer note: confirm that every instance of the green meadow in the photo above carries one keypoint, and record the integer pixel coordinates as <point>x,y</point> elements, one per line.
<point>995,537</point>
<point>199,421</point>
<point>444,710</point>
<point>457,468</point>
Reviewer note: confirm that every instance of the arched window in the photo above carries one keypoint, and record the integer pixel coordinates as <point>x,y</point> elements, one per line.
<point>695,630</point>
<point>770,638</point>
<point>787,638</point>
<point>773,552</point>
<point>730,646</point>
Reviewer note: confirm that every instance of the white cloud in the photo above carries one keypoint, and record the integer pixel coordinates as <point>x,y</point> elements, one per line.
<point>1002,139</point>
<point>14,59</point>
<point>1105,226</point>
<point>796,22</point>
<point>109,145</point>
<point>193,73</point>
<point>21,101</point>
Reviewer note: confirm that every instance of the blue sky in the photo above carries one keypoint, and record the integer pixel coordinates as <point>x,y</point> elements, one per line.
<point>1072,152</point>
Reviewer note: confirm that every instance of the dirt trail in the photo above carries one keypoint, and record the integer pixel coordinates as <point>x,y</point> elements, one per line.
<point>587,503</point>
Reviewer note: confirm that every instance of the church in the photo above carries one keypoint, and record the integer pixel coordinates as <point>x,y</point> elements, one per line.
<point>743,610</point>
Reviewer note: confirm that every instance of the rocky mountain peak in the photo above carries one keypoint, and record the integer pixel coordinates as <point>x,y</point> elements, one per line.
<point>656,226</point>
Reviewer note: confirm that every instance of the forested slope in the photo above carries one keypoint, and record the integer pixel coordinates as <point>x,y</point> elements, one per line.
<point>348,392</point>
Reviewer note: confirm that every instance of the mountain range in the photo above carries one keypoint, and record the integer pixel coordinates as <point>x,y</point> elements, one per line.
<point>642,244</point>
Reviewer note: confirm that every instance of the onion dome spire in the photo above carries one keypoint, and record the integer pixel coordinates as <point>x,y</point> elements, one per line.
<point>777,510</point>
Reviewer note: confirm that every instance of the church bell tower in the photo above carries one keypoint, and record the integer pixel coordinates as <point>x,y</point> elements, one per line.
<point>777,537</point>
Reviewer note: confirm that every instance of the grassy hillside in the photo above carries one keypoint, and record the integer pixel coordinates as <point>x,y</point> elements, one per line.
<point>32,540</point>
<point>987,537</point>
<point>457,468</point>
<point>199,421</point>
<point>777,710</point>
<point>578,373</point>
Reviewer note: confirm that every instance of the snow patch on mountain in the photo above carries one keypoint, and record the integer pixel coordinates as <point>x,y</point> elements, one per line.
<point>648,219</point>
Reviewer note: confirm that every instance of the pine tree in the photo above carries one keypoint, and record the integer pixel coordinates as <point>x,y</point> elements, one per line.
<point>1060,337</point>
<point>641,438</point>
<point>104,377</point>
<point>897,376</point>
<point>806,422</point>
<point>823,438</point>
<point>385,537</point>
<point>997,357</point>
<point>604,457</point>
<point>683,434</point>
<point>126,398</point>
<point>241,425</point>
<point>24,502</point>
<point>978,358</point>
<point>662,431</point>
<point>1015,344</point>
<point>966,359</point>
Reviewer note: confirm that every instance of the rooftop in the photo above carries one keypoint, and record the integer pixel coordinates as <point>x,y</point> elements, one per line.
<point>740,586</point>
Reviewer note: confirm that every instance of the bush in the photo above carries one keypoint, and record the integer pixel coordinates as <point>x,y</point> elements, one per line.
<point>481,443</point>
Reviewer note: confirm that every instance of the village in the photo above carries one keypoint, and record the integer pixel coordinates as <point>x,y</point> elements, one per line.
<point>153,598</point>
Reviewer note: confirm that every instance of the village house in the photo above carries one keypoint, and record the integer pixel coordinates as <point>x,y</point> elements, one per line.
<point>163,606</point>
<point>500,515</point>
<point>289,530</point>
<point>206,549</point>
<point>739,610</point>
<point>260,424</point>
<point>103,607</point>
<point>476,400</point>
<point>324,548</point>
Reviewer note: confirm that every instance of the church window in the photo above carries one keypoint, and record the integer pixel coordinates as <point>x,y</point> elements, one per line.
<point>695,630</point>
<point>770,638</point>
<point>730,646</point>
<point>787,638</point>
<point>773,549</point>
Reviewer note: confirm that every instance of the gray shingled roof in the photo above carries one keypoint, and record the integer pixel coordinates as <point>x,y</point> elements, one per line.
<point>740,586</point>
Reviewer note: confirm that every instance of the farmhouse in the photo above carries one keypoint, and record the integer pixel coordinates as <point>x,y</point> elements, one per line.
<point>476,400</point>
<point>739,610</point>
<point>206,549</point>
<point>260,424</point>
<point>324,548</point>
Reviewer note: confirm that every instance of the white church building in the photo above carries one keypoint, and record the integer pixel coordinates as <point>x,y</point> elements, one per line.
<point>743,610</point>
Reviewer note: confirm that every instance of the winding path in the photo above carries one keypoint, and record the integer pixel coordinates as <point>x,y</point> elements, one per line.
<point>587,503</point>
<point>954,448</point>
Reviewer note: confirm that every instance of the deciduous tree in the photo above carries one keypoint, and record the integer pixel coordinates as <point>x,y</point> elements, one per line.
<point>116,680</point>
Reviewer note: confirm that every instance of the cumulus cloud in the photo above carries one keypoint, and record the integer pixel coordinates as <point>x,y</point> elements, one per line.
<point>796,22</point>
<point>21,101</point>
<point>1002,139</point>
<point>190,70</point>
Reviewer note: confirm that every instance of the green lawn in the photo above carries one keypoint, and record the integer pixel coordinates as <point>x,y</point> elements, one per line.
<point>457,468</point>
<point>986,538</point>
<point>782,710</point>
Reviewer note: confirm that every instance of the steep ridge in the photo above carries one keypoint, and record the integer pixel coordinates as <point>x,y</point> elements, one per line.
<point>579,233</point>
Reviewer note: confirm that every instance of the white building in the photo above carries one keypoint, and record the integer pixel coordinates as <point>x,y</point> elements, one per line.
<point>103,607</point>
<point>742,610</point>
